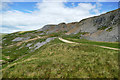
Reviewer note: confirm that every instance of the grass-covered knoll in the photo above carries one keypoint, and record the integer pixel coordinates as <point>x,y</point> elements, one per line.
<point>8,39</point>
<point>107,44</point>
<point>61,60</point>
<point>14,52</point>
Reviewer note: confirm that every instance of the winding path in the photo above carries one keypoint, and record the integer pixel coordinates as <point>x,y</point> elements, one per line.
<point>67,41</point>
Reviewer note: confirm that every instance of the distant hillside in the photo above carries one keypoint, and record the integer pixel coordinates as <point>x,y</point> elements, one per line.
<point>2,34</point>
<point>98,28</point>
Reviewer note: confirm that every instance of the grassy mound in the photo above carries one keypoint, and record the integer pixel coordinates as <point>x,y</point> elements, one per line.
<point>61,60</point>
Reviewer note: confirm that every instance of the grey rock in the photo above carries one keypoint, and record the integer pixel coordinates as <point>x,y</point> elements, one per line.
<point>41,34</point>
<point>20,39</point>
<point>28,44</point>
<point>30,47</point>
<point>38,45</point>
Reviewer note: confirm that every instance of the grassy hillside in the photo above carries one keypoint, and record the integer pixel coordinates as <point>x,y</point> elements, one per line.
<point>23,57</point>
<point>61,60</point>
<point>3,34</point>
<point>75,38</point>
<point>42,54</point>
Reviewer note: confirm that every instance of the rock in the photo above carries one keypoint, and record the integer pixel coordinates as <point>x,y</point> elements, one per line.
<point>38,45</point>
<point>41,34</point>
<point>28,44</point>
<point>20,39</point>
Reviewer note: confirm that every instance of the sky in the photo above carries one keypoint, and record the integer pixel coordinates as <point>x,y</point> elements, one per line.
<point>25,16</point>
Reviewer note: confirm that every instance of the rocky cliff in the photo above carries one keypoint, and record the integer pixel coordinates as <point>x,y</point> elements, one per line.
<point>98,28</point>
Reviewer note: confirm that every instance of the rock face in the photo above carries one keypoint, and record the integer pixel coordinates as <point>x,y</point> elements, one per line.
<point>99,28</point>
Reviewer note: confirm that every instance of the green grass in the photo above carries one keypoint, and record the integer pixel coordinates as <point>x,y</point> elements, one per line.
<point>107,44</point>
<point>76,36</point>
<point>15,52</point>
<point>57,59</point>
<point>103,28</point>
<point>2,34</point>
<point>110,29</point>
<point>61,60</point>
<point>9,37</point>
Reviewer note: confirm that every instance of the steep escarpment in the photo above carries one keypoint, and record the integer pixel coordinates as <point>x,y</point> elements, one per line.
<point>99,28</point>
<point>103,27</point>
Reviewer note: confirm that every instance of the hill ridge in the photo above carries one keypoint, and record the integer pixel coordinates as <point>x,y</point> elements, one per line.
<point>98,28</point>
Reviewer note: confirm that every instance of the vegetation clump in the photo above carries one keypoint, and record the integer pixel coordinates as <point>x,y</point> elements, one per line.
<point>77,36</point>
<point>110,29</point>
<point>103,28</point>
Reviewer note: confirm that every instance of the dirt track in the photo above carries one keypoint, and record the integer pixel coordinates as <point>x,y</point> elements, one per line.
<point>67,41</point>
